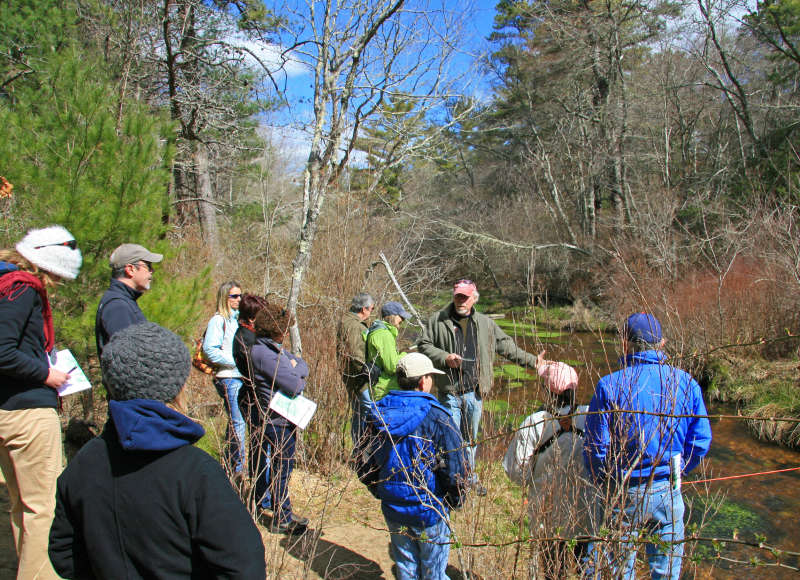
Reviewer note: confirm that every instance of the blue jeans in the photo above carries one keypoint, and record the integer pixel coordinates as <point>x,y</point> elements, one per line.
<point>260,454</point>
<point>359,405</point>
<point>235,436</point>
<point>420,553</point>
<point>654,511</point>
<point>466,410</point>
<point>282,440</point>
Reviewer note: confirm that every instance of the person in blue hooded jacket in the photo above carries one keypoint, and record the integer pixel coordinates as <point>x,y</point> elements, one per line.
<point>415,463</point>
<point>140,501</point>
<point>647,427</point>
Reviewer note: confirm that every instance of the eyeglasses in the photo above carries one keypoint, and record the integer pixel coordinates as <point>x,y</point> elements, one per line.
<point>71,244</point>
<point>143,264</point>
<point>234,296</point>
<point>464,281</point>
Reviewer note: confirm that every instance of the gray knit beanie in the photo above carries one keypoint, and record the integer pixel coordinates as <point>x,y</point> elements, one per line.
<point>145,361</point>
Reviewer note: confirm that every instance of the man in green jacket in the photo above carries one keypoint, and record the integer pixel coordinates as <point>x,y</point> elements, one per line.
<point>462,342</point>
<point>351,339</point>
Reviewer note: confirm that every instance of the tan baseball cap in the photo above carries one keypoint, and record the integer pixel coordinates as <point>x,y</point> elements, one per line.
<point>132,253</point>
<point>416,364</point>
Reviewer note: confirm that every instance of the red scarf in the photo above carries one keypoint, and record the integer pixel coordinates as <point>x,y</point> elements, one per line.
<point>247,325</point>
<point>14,283</point>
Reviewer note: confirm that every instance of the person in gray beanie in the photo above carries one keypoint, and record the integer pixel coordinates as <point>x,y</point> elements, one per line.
<point>140,497</point>
<point>30,431</point>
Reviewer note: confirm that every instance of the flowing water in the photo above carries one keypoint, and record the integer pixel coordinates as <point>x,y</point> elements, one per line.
<point>762,506</point>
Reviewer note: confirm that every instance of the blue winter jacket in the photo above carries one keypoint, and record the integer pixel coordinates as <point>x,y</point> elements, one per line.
<point>628,444</point>
<point>419,458</point>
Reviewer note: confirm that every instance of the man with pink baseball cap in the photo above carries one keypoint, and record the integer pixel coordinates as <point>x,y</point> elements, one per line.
<point>462,342</point>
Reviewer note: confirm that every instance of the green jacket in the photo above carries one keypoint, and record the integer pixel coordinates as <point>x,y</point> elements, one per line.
<point>350,343</point>
<point>382,349</point>
<point>438,340</point>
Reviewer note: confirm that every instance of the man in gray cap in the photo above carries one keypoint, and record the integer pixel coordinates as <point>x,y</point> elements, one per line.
<point>131,274</point>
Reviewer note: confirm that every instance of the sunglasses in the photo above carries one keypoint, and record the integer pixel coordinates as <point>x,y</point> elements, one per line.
<point>143,264</point>
<point>234,296</point>
<point>464,281</point>
<point>71,244</point>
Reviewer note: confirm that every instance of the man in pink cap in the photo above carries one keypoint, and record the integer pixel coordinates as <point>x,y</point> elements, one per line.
<point>462,342</point>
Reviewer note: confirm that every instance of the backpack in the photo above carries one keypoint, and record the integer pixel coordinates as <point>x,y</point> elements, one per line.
<point>199,360</point>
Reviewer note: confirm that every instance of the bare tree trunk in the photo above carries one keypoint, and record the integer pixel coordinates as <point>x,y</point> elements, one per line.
<point>205,194</point>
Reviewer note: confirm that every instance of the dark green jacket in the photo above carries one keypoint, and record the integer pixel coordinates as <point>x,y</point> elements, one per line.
<point>350,345</point>
<point>438,340</point>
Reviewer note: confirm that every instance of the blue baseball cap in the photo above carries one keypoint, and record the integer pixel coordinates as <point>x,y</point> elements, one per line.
<point>394,308</point>
<point>642,327</point>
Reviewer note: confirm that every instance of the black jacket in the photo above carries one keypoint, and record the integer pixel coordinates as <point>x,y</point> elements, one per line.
<point>132,505</point>
<point>243,342</point>
<point>117,310</point>
<point>23,361</point>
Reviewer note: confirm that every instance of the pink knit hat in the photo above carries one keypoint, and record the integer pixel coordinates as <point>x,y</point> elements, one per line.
<point>559,377</point>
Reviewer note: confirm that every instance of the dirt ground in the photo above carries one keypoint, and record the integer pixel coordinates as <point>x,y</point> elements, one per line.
<point>348,537</point>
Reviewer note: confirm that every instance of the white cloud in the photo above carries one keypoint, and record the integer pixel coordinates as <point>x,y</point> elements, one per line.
<point>270,55</point>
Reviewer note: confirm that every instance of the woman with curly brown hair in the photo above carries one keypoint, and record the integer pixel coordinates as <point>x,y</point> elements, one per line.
<point>276,369</point>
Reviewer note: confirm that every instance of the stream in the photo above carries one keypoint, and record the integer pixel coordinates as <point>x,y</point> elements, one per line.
<point>761,506</point>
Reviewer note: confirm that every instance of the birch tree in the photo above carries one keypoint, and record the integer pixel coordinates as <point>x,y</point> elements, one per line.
<point>362,53</point>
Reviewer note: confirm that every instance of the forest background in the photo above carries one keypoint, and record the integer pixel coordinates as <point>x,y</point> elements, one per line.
<point>609,156</point>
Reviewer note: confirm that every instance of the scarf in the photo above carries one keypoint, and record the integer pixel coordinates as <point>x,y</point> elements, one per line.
<point>14,283</point>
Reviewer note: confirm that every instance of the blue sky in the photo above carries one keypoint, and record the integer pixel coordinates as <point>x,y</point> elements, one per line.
<point>295,79</point>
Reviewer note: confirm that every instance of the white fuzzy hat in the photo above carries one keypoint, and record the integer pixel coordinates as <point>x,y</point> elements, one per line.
<point>52,249</point>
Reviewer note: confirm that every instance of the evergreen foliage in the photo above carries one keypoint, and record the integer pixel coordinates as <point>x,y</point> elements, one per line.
<point>70,166</point>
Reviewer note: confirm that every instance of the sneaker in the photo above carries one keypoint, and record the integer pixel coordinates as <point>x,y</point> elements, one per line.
<point>300,521</point>
<point>294,527</point>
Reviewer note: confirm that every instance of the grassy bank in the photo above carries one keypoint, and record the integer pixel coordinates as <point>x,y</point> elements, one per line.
<point>767,390</point>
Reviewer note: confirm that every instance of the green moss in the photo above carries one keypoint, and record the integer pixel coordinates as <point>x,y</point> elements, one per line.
<point>496,406</point>
<point>513,372</point>
<point>548,334</point>
<point>516,328</point>
<point>726,518</point>
<point>573,362</point>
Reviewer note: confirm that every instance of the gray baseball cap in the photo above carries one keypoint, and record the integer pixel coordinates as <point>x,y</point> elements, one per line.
<point>132,253</point>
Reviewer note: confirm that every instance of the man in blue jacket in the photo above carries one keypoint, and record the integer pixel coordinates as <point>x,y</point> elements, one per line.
<point>647,426</point>
<point>131,274</point>
<point>417,467</point>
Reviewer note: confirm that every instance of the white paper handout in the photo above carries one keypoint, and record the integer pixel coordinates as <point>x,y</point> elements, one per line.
<point>298,410</point>
<point>65,362</point>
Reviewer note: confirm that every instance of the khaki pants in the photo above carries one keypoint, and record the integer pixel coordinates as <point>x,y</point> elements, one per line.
<point>30,458</point>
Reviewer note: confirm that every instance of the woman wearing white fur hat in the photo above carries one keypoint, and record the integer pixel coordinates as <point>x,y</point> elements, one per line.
<point>30,432</point>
